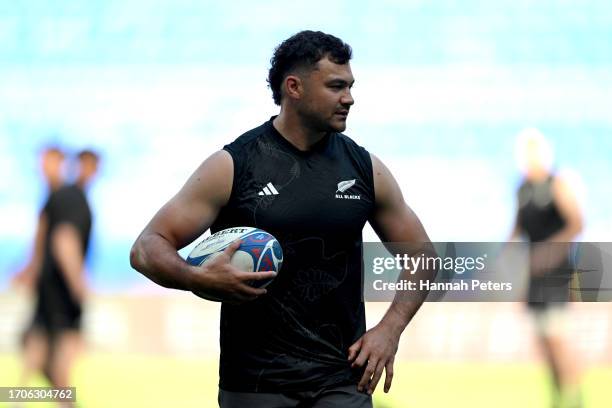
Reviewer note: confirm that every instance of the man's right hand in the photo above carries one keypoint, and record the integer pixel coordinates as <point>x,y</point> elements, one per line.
<point>219,280</point>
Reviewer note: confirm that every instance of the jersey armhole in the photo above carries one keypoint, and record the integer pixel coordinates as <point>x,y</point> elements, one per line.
<point>235,175</point>
<point>370,173</point>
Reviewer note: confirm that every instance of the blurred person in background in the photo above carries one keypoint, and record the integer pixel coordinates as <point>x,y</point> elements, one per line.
<point>53,339</point>
<point>549,217</point>
<point>52,161</point>
<point>52,167</point>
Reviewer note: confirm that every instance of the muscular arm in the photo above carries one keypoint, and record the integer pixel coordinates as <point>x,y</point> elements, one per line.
<point>396,224</point>
<point>186,216</point>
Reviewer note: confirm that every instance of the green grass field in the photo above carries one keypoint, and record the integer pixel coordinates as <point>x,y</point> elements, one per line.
<point>115,380</point>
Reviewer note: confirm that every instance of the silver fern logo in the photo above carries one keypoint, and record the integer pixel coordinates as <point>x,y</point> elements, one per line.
<point>345,185</point>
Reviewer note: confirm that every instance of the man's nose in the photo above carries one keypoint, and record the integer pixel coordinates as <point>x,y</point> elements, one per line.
<point>347,98</point>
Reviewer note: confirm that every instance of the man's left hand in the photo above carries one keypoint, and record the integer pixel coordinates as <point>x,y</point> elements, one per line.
<point>376,348</point>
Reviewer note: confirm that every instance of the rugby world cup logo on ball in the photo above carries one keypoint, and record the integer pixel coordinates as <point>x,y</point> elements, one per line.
<point>259,251</point>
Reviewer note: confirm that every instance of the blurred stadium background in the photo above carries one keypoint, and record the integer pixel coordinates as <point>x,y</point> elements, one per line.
<point>442,90</point>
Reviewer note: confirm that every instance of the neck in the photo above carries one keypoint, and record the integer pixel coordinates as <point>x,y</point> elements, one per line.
<point>81,183</point>
<point>54,184</point>
<point>292,127</point>
<point>537,174</point>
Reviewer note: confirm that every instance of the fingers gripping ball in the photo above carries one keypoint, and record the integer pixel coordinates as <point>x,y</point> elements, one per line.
<point>259,251</point>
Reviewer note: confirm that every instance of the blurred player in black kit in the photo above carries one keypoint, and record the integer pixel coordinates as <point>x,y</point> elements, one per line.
<point>52,161</point>
<point>302,341</point>
<point>550,218</point>
<point>35,343</point>
<point>53,339</point>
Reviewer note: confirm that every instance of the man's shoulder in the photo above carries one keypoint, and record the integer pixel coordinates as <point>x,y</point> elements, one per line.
<point>247,138</point>
<point>345,138</point>
<point>350,143</point>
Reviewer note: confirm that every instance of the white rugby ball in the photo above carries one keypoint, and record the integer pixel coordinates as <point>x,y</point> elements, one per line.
<point>259,251</point>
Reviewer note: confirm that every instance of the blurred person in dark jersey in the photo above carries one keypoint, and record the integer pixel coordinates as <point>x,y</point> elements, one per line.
<point>60,282</point>
<point>52,160</point>
<point>302,341</point>
<point>52,165</point>
<point>549,217</point>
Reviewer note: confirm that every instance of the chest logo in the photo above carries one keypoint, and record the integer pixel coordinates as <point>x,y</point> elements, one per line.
<point>343,186</point>
<point>268,190</point>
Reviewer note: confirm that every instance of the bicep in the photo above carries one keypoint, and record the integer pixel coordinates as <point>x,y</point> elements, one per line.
<point>195,207</point>
<point>393,220</point>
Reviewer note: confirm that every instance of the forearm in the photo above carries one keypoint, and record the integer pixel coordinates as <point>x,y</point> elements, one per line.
<point>33,267</point>
<point>69,257</point>
<point>406,303</point>
<point>72,269</point>
<point>157,259</point>
<point>399,314</point>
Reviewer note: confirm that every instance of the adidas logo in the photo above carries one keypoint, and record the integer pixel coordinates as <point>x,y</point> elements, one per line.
<point>268,190</point>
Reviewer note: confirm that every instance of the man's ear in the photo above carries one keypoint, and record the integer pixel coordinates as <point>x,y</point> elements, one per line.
<point>294,86</point>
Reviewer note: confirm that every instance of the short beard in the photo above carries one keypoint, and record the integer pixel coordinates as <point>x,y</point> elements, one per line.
<point>314,122</point>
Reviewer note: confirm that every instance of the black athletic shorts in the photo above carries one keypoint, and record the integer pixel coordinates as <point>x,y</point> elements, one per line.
<point>338,396</point>
<point>55,312</point>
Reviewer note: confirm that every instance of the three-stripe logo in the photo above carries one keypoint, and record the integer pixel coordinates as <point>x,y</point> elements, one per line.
<point>268,190</point>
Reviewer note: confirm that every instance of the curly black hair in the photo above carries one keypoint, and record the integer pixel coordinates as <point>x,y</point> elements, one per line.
<point>304,49</point>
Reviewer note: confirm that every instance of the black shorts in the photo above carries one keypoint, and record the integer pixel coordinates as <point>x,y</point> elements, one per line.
<point>56,311</point>
<point>339,396</point>
<point>551,288</point>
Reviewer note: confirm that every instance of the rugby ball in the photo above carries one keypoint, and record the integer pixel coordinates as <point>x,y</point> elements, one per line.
<point>259,251</point>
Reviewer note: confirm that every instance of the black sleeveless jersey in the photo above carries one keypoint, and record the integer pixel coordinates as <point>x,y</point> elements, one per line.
<point>316,203</point>
<point>538,214</point>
